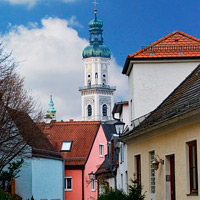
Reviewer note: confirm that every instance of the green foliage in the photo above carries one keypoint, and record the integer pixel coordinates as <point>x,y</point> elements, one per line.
<point>115,195</point>
<point>6,196</point>
<point>135,191</point>
<point>11,173</point>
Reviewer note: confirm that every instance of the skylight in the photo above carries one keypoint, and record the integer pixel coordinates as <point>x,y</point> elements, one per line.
<point>66,146</point>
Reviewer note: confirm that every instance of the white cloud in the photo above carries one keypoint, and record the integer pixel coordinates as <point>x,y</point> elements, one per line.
<point>28,3</point>
<point>51,62</point>
<point>31,3</point>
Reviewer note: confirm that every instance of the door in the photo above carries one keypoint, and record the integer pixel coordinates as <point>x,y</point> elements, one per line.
<point>172,177</point>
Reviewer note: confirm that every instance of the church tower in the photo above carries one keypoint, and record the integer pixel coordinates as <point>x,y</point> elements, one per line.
<point>51,112</point>
<point>97,94</point>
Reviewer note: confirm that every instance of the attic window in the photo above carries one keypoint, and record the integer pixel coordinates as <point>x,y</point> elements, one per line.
<point>66,146</point>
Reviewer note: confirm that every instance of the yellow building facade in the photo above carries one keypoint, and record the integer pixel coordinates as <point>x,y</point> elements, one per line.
<point>163,149</point>
<point>165,144</point>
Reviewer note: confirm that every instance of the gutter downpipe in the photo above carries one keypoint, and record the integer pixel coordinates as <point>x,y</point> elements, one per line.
<point>83,183</point>
<point>63,179</point>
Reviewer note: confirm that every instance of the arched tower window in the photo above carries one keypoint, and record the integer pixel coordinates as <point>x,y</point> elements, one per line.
<point>96,75</point>
<point>89,83</point>
<point>104,110</point>
<point>89,110</point>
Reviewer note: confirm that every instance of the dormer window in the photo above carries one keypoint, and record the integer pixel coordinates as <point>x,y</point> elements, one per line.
<point>66,146</point>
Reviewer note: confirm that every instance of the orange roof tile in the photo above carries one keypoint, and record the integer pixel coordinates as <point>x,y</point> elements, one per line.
<point>175,44</point>
<point>81,133</point>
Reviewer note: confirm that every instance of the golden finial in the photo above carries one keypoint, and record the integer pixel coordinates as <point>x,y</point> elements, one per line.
<point>95,6</point>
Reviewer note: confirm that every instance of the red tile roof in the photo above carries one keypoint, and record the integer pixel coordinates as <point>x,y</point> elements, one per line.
<point>33,136</point>
<point>82,135</point>
<point>175,44</point>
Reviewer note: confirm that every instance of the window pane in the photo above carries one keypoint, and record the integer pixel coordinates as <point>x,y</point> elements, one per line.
<point>101,150</point>
<point>89,110</point>
<point>152,173</point>
<point>66,146</point>
<point>192,148</point>
<point>93,185</point>
<point>69,183</point>
<point>104,110</point>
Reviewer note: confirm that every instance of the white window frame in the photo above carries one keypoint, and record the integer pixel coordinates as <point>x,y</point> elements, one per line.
<point>68,177</point>
<point>151,158</point>
<point>101,150</point>
<point>67,144</point>
<point>93,185</point>
<point>122,153</point>
<point>122,180</point>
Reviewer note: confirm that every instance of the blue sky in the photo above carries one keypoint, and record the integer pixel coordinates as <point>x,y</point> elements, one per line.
<point>128,25</point>
<point>33,29</point>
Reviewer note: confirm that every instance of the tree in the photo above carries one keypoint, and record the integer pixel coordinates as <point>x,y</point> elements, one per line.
<point>12,173</point>
<point>14,100</point>
<point>135,191</point>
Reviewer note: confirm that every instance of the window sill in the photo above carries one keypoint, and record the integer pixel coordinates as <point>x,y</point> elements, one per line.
<point>192,194</point>
<point>93,190</point>
<point>68,190</point>
<point>101,156</point>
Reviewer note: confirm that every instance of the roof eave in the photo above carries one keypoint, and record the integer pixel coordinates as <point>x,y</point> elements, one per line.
<point>126,70</point>
<point>163,127</point>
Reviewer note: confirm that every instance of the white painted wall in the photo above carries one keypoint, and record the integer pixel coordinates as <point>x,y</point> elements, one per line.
<point>122,169</point>
<point>96,98</point>
<point>151,82</point>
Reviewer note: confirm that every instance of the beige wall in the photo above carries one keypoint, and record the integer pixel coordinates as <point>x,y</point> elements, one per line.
<point>173,142</point>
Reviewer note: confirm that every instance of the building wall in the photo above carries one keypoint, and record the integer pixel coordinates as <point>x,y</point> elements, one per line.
<point>23,184</point>
<point>93,163</point>
<point>47,179</point>
<point>96,73</point>
<point>41,178</point>
<point>150,83</point>
<point>122,173</point>
<point>173,142</point>
<point>76,193</point>
<point>122,169</point>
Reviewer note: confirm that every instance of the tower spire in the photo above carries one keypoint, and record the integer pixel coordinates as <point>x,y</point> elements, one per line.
<point>51,112</point>
<point>95,9</point>
<point>97,94</point>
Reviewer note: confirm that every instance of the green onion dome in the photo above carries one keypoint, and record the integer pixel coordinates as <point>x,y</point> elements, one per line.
<point>96,47</point>
<point>96,51</point>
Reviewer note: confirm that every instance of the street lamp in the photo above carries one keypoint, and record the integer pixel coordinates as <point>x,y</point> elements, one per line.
<point>91,176</point>
<point>156,162</point>
<point>119,127</point>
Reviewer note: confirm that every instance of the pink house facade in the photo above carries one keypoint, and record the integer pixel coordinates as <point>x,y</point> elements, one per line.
<point>83,146</point>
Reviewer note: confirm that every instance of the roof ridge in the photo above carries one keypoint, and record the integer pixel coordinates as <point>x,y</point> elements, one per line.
<point>162,39</point>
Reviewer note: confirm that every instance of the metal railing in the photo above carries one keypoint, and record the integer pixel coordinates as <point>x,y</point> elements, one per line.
<point>136,122</point>
<point>178,108</point>
<point>99,86</point>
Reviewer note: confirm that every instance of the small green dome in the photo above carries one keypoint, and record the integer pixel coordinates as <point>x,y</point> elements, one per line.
<point>95,23</point>
<point>96,51</point>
